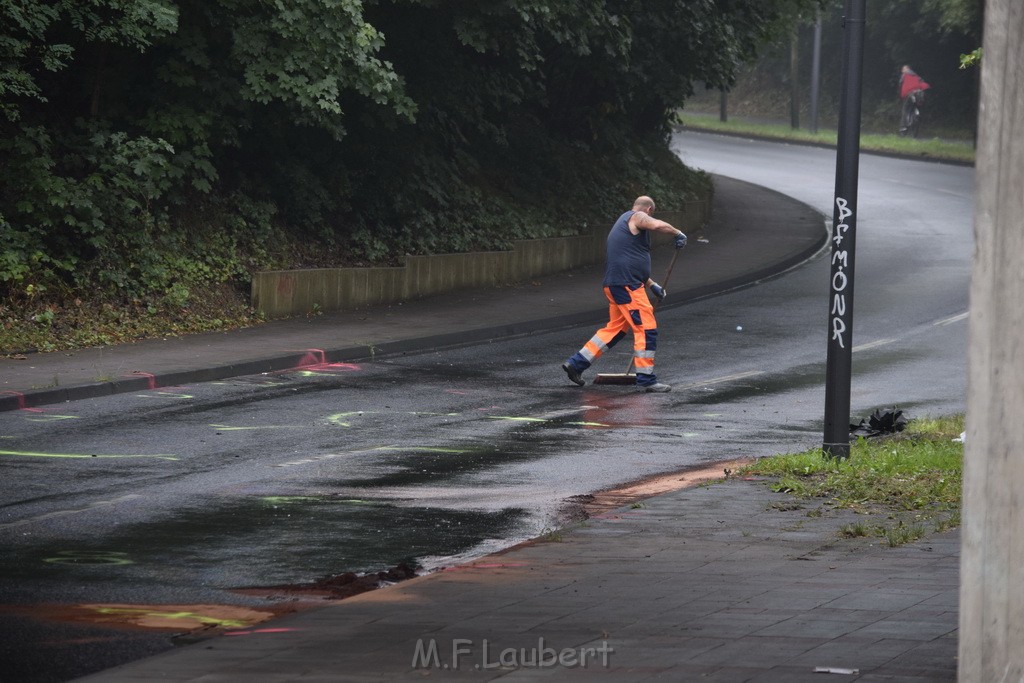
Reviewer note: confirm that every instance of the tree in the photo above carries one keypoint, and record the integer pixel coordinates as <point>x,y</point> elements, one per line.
<point>150,143</point>
<point>118,110</point>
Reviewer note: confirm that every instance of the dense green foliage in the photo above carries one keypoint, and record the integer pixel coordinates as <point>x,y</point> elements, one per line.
<point>147,146</point>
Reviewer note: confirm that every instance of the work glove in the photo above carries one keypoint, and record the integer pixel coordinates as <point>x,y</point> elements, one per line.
<point>658,291</point>
<point>680,241</point>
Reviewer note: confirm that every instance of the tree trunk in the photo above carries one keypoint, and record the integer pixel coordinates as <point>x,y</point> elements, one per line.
<point>101,59</point>
<point>794,78</point>
<point>815,74</point>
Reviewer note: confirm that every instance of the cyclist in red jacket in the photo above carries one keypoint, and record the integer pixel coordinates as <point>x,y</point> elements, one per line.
<point>912,89</point>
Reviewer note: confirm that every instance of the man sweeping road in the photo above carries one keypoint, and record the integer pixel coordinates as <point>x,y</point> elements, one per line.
<point>627,271</point>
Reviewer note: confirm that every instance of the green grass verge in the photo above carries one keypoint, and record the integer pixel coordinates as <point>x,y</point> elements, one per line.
<point>914,476</point>
<point>945,150</point>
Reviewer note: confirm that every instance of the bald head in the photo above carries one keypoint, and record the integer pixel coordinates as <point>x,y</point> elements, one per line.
<point>643,203</point>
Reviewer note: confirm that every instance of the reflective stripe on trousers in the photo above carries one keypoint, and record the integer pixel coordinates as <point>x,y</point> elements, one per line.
<point>628,309</point>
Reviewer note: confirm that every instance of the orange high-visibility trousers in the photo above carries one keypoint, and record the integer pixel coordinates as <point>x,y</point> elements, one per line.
<point>628,309</point>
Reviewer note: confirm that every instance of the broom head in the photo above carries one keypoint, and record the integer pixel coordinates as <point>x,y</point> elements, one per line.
<point>615,378</point>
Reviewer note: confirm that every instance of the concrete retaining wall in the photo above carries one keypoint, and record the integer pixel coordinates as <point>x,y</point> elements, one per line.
<point>284,293</point>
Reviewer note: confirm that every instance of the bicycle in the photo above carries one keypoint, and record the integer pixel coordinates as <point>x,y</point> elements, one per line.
<point>910,115</point>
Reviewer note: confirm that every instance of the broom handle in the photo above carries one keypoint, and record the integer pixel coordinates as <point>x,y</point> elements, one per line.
<point>664,283</point>
<point>671,265</point>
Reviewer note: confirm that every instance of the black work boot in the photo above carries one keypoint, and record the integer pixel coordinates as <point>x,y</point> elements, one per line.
<point>574,374</point>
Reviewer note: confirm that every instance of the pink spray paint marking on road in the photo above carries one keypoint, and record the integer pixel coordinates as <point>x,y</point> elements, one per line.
<point>339,367</point>
<point>21,398</point>
<point>150,377</point>
<point>312,357</point>
<point>485,565</point>
<point>617,516</point>
<point>45,417</point>
<point>315,360</point>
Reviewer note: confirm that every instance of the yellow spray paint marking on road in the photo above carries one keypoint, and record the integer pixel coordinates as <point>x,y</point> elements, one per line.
<point>228,428</point>
<point>276,500</point>
<point>180,617</point>
<point>165,394</point>
<point>427,449</point>
<point>517,418</point>
<point>160,616</point>
<point>50,418</point>
<point>89,557</point>
<point>284,500</point>
<point>339,418</point>
<point>376,449</point>
<point>33,454</point>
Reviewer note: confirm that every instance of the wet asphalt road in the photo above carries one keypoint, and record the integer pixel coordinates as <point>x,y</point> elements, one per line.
<point>179,496</point>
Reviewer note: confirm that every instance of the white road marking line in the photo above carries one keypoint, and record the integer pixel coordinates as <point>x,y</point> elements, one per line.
<point>952,319</point>
<point>720,380</point>
<point>873,345</point>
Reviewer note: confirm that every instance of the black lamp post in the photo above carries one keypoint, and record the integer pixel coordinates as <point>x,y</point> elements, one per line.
<point>836,441</point>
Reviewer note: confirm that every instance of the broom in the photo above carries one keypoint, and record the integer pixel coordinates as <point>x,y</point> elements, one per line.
<point>629,377</point>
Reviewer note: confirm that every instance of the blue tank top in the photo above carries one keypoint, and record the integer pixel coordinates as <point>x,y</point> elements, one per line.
<point>628,261</point>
